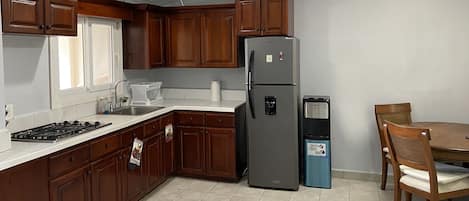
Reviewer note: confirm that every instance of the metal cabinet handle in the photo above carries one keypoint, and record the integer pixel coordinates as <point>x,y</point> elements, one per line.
<point>70,159</point>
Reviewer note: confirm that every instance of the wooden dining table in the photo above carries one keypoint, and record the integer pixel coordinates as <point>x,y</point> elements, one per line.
<point>449,141</point>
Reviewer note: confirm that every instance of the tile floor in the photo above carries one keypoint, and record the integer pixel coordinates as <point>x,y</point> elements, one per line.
<point>185,189</point>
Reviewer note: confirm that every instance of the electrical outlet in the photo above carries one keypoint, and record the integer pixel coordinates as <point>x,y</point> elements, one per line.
<point>9,112</point>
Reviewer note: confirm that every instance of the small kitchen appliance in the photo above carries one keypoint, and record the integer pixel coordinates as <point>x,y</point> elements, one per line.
<point>56,131</point>
<point>317,145</point>
<point>145,93</point>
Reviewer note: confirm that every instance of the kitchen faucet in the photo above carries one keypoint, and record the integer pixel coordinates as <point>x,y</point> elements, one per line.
<point>115,95</point>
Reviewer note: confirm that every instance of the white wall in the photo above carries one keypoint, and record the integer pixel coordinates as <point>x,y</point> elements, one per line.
<point>26,64</point>
<point>366,52</point>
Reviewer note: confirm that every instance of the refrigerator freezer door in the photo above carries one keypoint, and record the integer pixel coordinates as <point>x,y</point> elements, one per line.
<point>274,60</point>
<point>273,137</point>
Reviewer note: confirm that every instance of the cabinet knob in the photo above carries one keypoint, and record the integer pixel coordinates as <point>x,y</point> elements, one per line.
<point>48,27</point>
<point>70,159</point>
<point>219,121</point>
<point>41,26</point>
<point>89,172</point>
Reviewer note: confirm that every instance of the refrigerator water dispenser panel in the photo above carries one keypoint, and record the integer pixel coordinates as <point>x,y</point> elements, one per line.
<point>270,105</point>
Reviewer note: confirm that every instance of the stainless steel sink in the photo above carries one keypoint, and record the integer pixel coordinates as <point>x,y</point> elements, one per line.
<point>136,110</point>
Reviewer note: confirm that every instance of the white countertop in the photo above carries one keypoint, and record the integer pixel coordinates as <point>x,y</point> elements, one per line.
<point>22,152</point>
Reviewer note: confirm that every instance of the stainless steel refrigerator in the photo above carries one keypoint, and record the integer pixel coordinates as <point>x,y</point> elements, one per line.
<point>272,78</point>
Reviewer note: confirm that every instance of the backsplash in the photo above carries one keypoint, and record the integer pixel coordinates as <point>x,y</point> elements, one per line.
<point>190,78</point>
<point>31,120</point>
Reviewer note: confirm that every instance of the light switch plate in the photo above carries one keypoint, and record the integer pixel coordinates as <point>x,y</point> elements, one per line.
<point>5,140</point>
<point>10,112</point>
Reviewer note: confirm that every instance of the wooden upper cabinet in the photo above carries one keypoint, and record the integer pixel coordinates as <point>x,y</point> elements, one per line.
<point>61,17</point>
<point>265,17</point>
<point>184,40</point>
<point>249,19</point>
<point>25,16</point>
<point>52,17</point>
<point>272,17</point>
<point>144,40</point>
<point>156,39</point>
<point>219,38</point>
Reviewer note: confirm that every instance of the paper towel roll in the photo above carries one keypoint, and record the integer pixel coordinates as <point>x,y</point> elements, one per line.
<point>216,91</point>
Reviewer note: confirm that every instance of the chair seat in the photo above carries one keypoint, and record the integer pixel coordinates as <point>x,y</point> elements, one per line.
<point>450,178</point>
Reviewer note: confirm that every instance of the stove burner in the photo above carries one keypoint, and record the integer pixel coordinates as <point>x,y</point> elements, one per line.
<point>56,131</point>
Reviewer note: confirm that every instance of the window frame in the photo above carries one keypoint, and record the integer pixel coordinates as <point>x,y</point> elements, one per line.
<point>87,93</point>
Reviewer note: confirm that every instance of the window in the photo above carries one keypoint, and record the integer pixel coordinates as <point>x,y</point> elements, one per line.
<point>86,66</point>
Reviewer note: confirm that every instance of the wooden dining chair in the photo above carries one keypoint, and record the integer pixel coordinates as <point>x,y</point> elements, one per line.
<point>415,172</point>
<point>397,113</point>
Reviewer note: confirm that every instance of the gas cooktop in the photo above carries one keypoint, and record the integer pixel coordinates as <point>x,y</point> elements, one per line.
<point>56,131</point>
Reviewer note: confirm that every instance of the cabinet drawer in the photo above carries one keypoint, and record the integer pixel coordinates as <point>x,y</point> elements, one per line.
<point>129,135</point>
<point>68,160</point>
<point>105,146</point>
<point>190,118</point>
<point>220,120</point>
<point>152,128</point>
<point>166,120</point>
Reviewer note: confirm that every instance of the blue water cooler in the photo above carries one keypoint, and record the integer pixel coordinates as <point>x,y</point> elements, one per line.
<point>316,141</point>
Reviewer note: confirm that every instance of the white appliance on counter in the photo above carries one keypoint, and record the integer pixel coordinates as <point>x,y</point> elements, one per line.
<point>145,93</point>
<point>5,140</point>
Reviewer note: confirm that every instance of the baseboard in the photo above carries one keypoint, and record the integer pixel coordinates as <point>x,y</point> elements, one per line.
<point>5,140</point>
<point>357,175</point>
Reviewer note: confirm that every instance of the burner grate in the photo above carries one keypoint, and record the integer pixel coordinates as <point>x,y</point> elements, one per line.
<point>56,131</point>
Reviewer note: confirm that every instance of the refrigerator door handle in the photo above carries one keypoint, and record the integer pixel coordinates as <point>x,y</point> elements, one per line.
<point>250,67</point>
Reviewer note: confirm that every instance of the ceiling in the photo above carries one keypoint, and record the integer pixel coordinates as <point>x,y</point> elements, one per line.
<point>173,3</point>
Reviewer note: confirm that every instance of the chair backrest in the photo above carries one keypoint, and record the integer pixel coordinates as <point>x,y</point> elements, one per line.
<point>396,113</point>
<point>410,146</point>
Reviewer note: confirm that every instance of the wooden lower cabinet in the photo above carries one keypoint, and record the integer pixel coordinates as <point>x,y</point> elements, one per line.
<point>133,178</point>
<point>26,182</point>
<point>168,157</point>
<point>153,162</point>
<point>220,152</point>
<point>74,186</point>
<point>105,179</point>
<point>191,150</point>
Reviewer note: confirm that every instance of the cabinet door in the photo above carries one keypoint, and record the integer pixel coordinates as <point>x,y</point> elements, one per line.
<point>219,39</point>
<point>221,153</point>
<point>154,161</point>
<point>184,40</point>
<point>105,179</point>
<point>168,157</point>
<point>25,16</point>
<point>191,150</point>
<point>74,186</point>
<point>156,37</point>
<point>133,178</point>
<point>273,14</point>
<point>25,182</point>
<point>61,17</point>
<point>249,19</point>
<point>168,145</point>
